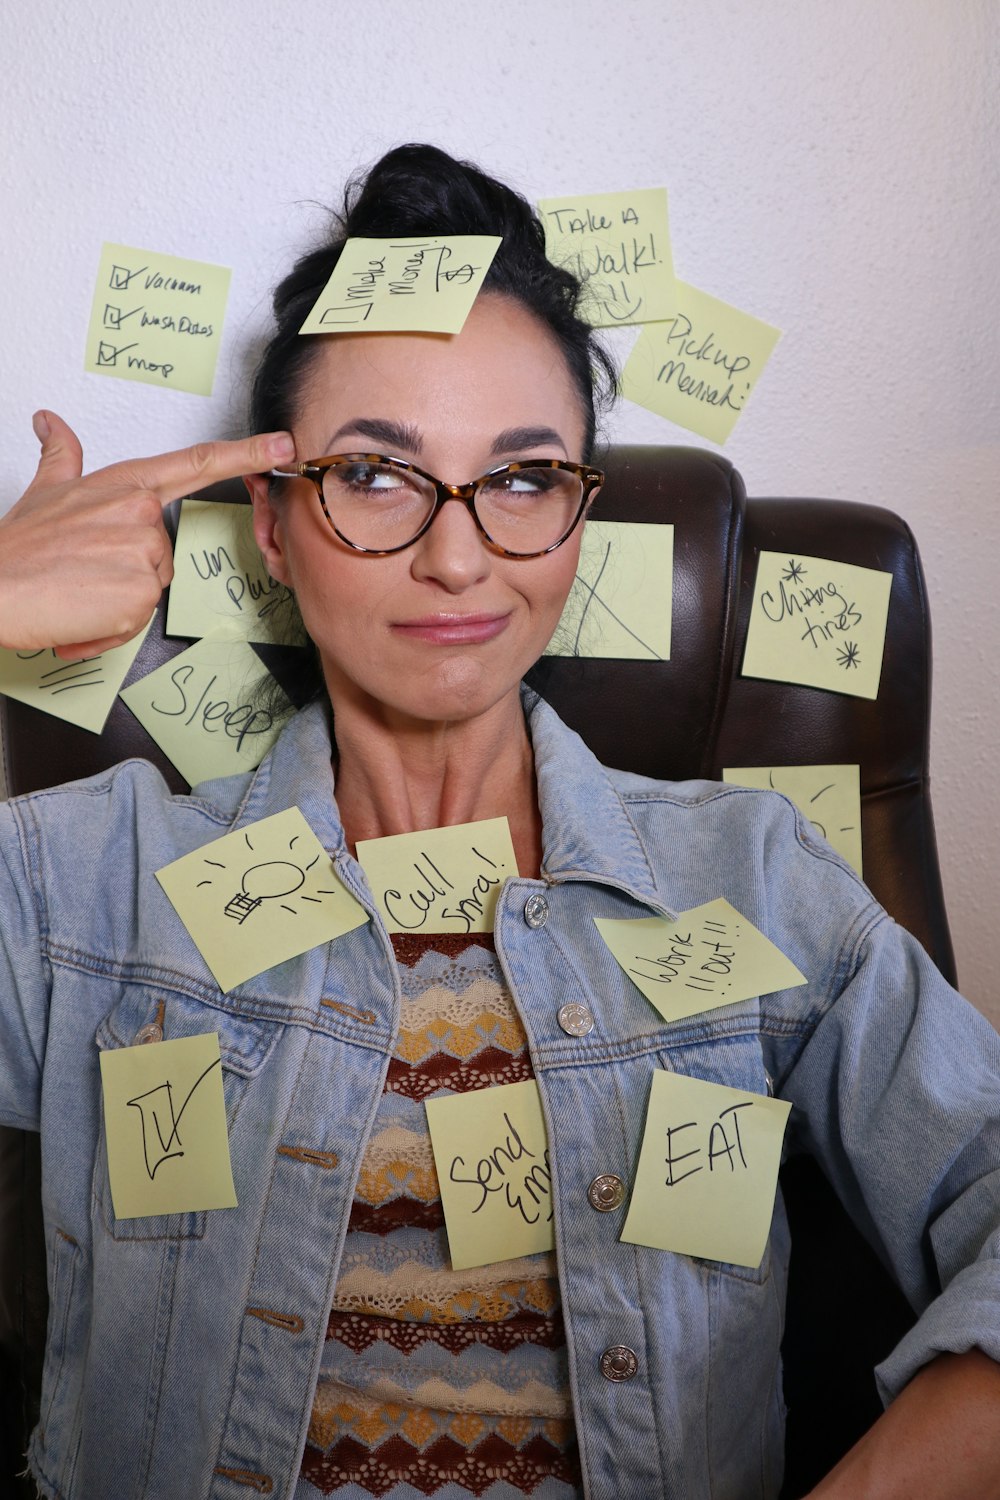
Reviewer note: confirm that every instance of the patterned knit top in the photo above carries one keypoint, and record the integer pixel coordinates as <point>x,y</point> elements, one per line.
<point>434,1381</point>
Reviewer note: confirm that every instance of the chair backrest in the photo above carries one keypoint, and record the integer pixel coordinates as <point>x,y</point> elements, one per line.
<point>689,716</point>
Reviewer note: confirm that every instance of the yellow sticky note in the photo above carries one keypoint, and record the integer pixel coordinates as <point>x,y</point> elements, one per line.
<point>220,582</point>
<point>157,318</point>
<point>829,796</point>
<point>214,710</point>
<point>441,880</point>
<point>492,1157</point>
<point>255,897</point>
<point>699,367</point>
<point>621,601</point>
<point>618,245</point>
<point>708,956</point>
<point>424,283</point>
<point>818,622</point>
<point>165,1126</point>
<point>708,1170</point>
<point>80,691</point>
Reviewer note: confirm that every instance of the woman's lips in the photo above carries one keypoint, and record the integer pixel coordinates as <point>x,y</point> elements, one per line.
<point>454,629</point>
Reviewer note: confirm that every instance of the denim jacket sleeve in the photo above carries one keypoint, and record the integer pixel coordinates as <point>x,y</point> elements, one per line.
<point>24,981</point>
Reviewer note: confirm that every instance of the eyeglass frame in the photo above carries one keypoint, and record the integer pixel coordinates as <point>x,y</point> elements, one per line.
<point>314,470</point>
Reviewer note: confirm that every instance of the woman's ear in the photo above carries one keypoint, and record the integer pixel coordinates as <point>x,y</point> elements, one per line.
<point>267,527</point>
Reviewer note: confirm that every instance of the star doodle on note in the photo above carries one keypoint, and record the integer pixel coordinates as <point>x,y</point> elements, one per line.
<point>267,880</point>
<point>794,573</point>
<point>849,656</point>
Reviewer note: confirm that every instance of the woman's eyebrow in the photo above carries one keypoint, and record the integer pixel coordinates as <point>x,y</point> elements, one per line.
<point>394,436</point>
<point>515,439</point>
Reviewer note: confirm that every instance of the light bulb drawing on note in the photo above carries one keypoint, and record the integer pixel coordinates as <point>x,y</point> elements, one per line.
<point>268,880</point>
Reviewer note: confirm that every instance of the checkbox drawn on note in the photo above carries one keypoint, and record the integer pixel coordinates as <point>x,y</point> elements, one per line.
<point>107,354</point>
<point>120,277</point>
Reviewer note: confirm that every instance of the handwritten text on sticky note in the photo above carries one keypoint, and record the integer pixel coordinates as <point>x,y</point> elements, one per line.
<point>708,956</point>
<point>441,880</point>
<point>220,581</point>
<point>492,1158</point>
<point>698,368</point>
<point>213,710</point>
<point>829,796</point>
<point>620,604</point>
<point>708,1170</point>
<point>165,1127</point>
<point>80,692</point>
<point>424,283</point>
<point>260,895</point>
<point>157,318</point>
<point>818,622</point>
<point>618,245</point>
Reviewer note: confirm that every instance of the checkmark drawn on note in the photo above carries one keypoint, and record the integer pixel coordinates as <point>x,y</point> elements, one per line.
<point>156,1111</point>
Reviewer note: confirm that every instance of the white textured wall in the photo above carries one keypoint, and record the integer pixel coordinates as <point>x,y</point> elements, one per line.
<point>831,168</point>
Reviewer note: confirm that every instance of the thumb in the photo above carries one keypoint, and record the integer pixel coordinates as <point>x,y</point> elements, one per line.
<point>62,456</point>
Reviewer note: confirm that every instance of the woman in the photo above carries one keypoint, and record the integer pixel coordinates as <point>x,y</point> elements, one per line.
<point>316,1340</point>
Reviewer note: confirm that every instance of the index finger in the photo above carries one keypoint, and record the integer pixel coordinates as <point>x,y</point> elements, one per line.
<point>172,475</point>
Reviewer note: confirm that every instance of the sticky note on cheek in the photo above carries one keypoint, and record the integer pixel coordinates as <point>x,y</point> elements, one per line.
<point>441,880</point>
<point>492,1158</point>
<point>165,1128</point>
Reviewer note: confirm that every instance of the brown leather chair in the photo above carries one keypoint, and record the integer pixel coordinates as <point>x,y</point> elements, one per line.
<point>686,717</point>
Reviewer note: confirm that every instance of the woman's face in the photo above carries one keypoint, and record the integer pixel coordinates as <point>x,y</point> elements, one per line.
<point>445,629</point>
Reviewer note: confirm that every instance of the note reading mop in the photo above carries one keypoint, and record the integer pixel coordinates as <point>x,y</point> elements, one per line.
<point>708,1170</point>
<point>260,895</point>
<point>80,691</point>
<point>699,367</point>
<point>620,604</point>
<point>829,796</point>
<point>708,956</point>
<point>818,622</point>
<point>157,318</point>
<point>492,1157</point>
<point>424,283</point>
<point>441,880</point>
<point>618,245</point>
<point>220,581</point>
<point>165,1128</point>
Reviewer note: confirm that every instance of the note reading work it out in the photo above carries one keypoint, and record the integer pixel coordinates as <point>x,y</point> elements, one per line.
<point>157,318</point>
<point>260,895</point>
<point>220,581</point>
<point>420,284</point>
<point>698,368</point>
<point>492,1158</point>
<point>165,1128</point>
<point>708,956</point>
<point>618,245</point>
<point>829,796</point>
<point>440,880</point>
<point>818,622</point>
<point>708,1170</point>
<point>80,692</point>
<point>620,604</point>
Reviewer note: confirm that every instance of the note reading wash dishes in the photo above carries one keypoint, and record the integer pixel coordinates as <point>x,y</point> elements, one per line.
<point>621,601</point>
<point>80,691</point>
<point>440,880</point>
<point>424,283</point>
<point>618,245</point>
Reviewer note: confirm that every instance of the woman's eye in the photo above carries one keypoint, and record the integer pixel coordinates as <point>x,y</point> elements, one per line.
<point>522,482</point>
<point>370,477</point>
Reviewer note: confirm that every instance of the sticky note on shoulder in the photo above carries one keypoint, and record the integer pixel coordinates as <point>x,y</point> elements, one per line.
<point>620,605</point>
<point>80,691</point>
<point>416,284</point>
<point>441,880</point>
<point>165,1127</point>
<point>492,1158</point>
<point>220,582</point>
<point>708,1170</point>
<point>706,957</point>
<point>829,796</point>
<point>258,896</point>
<point>618,246</point>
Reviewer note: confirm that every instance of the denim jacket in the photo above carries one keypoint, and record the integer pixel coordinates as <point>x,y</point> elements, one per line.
<point>183,1350</point>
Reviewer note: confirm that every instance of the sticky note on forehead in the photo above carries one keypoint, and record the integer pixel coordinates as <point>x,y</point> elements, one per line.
<point>618,246</point>
<point>440,880</point>
<point>417,284</point>
<point>700,366</point>
<point>80,692</point>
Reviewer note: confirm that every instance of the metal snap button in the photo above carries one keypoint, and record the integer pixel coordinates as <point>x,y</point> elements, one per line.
<point>618,1363</point>
<point>606,1193</point>
<point>770,1084</point>
<point>151,1032</point>
<point>536,911</point>
<point>575,1019</point>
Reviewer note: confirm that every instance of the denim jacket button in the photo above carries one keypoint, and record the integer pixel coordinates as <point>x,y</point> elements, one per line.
<point>618,1363</point>
<point>536,911</point>
<point>151,1032</point>
<point>575,1019</point>
<point>606,1193</point>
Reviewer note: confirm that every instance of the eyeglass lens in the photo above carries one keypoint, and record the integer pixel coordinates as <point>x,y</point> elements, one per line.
<point>379,506</point>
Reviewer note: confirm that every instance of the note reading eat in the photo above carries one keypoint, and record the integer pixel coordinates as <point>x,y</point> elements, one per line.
<point>818,622</point>
<point>829,796</point>
<point>260,895</point>
<point>423,283</point>
<point>440,880</point>
<point>620,604</point>
<point>618,245</point>
<point>492,1157</point>
<point>708,1170</point>
<point>220,583</point>
<point>157,318</point>
<point>79,691</point>
<point>165,1128</point>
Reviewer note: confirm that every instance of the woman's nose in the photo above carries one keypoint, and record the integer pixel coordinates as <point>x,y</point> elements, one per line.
<point>452,551</point>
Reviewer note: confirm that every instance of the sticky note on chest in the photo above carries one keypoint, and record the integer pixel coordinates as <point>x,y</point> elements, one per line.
<point>708,1170</point>
<point>165,1127</point>
<point>618,246</point>
<point>441,880</point>
<point>422,283</point>
<point>709,956</point>
<point>492,1157</point>
<point>256,897</point>
<point>80,692</point>
<point>220,583</point>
